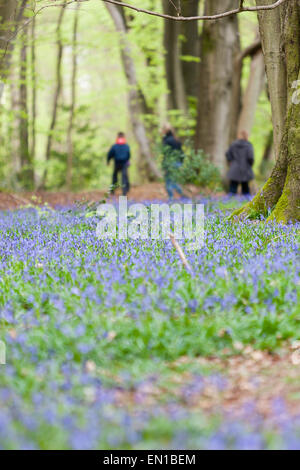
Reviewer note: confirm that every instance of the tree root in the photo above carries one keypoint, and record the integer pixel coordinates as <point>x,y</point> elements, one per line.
<point>267,204</point>
<point>262,204</point>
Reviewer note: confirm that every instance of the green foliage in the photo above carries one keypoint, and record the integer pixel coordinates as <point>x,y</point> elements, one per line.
<point>196,168</point>
<point>185,124</point>
<point>101,91</point>
<point>89,162</point>
<point>189,58</point>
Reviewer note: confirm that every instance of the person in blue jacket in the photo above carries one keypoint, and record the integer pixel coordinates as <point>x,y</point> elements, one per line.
<point>120,153</point>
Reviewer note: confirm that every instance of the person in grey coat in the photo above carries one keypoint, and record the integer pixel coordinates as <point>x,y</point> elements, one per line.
<point>240,157</point>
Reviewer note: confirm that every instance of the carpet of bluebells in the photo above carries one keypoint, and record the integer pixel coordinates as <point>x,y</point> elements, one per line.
<point>88,323</point>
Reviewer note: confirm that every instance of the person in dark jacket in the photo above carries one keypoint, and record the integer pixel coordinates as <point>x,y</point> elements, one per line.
<point>173,157</point>
<point>120,153</point>
<point>240,157</point>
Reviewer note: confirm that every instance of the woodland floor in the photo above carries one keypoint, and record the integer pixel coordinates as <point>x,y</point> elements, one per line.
<point>250,378</point>
<point>147,192</point>
<point>246,366</point>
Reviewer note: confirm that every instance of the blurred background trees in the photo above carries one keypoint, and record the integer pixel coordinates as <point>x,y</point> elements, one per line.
<point>72,77</point>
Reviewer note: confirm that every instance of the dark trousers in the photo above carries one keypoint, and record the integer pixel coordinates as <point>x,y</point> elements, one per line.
<point>123,168</point>
<point>171,187</point>
<point>234,187</point>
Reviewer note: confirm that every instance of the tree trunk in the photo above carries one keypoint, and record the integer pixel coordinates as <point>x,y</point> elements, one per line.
<point>14,133</point>
<point>27,176</point>
<point>134,102</point>
<point>176,97</point>
<point>57,92</point>
<point>145,110</point>
<point>11,14</point>
<point>252,93</point>
<point>70,145</point>
<point>34,90</point>
<point>280,196</point>
<point>236,105</point>
<point>190,48</point>
<point>273,48</point>
<point>219,49</point>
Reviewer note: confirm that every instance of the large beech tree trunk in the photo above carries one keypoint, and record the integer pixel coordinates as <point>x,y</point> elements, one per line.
<point>219,50</point>
<point>280,33</point>
<point>135,103</point>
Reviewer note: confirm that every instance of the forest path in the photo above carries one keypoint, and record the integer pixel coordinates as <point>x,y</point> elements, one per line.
<point>146,192</point>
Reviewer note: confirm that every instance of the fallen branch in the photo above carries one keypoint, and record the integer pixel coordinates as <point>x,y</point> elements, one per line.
<point>180,252</point>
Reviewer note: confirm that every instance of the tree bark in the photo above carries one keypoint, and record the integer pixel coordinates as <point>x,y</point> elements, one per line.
<point>280,196</point>
<point>70,146</point>
<point>11,15</point>
<point>146,110</point>
<point>219,50</point>
<point>27,176</point>
<point>57,92</point>
<point>236,105</point>
<point>190,48</point>
<point>252,93</point>
<point>134,102</point>
<point>273,49</point>
<point>14,133</point>
<point>34,90</point>
<point>176,97</point>
<point>268,155</point>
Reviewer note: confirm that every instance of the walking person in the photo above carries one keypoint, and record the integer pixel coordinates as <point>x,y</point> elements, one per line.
<point>240,157</point>
<point>173,157</point>
<point>120,153</point>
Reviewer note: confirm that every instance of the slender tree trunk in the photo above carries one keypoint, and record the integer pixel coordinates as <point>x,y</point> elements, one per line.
<point>23,92</point>
<point>148,111</point>
<point>190,48</point>
<point>252,93</point>
<point>25,158</point>
<point>176,97</point>
<point>280,196</point>
<point>70,145</point>
<point>134,102</point>
<point>219,49</point>
<point>57,92</point>
<point>14,134</point>
<point>34,89</point>
<point>11,15</point>
<point>236,105</point>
